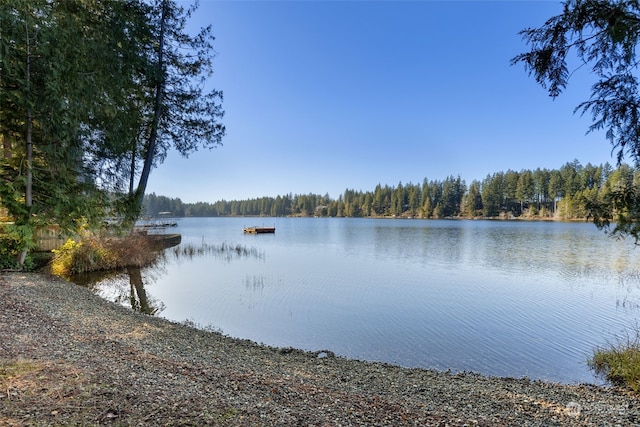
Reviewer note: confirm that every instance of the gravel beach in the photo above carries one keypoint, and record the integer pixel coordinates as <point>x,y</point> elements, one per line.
<point>68,357</point>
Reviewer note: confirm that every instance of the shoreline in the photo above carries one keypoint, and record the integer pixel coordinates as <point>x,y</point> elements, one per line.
<point>69,357</point>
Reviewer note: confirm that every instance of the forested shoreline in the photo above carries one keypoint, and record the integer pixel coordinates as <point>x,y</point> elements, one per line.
<point>570,192</point>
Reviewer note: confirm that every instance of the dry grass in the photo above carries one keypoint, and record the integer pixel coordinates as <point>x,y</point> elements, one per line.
<point>93,253</point>
<point>46,388</point>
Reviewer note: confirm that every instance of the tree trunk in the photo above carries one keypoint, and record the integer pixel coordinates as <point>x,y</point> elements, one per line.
<point>28,191</point>
<point>157,111</point>
<point>132,173</point>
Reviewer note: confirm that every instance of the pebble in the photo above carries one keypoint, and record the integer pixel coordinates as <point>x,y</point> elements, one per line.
<point>96,369</point>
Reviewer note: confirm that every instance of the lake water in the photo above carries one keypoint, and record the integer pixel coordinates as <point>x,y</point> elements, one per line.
<point>504,298</point>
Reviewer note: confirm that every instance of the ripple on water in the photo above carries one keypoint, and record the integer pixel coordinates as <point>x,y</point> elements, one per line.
<point>500,298</point>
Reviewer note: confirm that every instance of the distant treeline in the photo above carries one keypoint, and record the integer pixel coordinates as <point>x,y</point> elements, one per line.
<point>564,193</point>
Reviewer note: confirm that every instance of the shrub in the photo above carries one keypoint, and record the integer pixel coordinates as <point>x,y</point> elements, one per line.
<point>8,253</point>
<point>94,253</point>
<point>10,247</point>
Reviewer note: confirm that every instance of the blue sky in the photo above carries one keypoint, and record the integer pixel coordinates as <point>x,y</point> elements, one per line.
<point>321,96</point>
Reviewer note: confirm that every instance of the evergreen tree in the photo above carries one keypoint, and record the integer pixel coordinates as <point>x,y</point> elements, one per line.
<point>61,79</point>
<point>556,185</point>
<point>510,199</point>
<point>541,178</point>
<point>604,36</point>
<point>473,201</point>
<point>413,197</point>
<point>492,194</point>
<point>525,190</point>
<point>180,114</point>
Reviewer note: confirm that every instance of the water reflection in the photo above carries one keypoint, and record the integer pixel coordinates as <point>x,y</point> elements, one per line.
<point>126,287</point>
<point>129,286</point>
<point>138,295</point>
<point>254,282</point>
<point>500,298</point>
<point>508,248</point>
<point>629,297</point>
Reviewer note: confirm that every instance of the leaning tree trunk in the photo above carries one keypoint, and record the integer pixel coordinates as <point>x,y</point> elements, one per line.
<point>151,145</point>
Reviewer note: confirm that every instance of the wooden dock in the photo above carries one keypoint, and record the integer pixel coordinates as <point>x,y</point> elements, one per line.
<point>165,241</point>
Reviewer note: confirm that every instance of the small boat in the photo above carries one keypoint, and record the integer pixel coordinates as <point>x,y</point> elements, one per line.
<point>259,230</point>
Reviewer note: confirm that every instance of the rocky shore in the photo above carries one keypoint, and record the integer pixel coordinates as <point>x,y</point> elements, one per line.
<point>67,357</point>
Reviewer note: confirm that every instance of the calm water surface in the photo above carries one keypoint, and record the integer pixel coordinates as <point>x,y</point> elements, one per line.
<point>499,298</point>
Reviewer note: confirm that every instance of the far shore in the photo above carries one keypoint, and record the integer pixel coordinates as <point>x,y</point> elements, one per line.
<point>409,217</point>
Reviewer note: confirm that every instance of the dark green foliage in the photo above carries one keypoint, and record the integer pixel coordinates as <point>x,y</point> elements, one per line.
<point>94,94</point>
<point>9,249</point>
<point>617,205</point>
<point>493,194</point>
<point>52,91</point>
<point>11,244</point>
<point>473,200</point>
